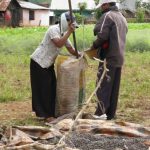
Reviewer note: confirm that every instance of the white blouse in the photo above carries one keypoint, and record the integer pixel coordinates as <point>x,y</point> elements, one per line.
<point>47,51</point>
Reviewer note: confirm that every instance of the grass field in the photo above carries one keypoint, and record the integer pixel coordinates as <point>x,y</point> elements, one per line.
<point>17,44</point>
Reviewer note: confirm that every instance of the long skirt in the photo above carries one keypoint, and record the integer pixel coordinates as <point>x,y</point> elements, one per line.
<point>43,87</point>
<point>108,93</point>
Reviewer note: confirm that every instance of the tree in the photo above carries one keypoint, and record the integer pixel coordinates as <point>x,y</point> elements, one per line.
<point>140,15</point>
<point>82,6</point>
<point>144,5</point>
<point>138,4</point>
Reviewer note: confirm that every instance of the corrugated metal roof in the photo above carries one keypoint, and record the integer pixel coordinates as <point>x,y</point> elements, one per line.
<point>63,4</point>
<point>4,4</point>
<point>29,5</point>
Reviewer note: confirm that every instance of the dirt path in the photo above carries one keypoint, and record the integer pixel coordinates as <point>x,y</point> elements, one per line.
<point>12,111</point>
<point>21,113</point>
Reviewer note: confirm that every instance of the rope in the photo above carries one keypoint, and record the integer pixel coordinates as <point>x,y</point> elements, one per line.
<point>61,142</point>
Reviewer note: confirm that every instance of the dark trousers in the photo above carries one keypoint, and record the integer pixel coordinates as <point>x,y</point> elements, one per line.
<point>109,91</point>
<point>43,86</point>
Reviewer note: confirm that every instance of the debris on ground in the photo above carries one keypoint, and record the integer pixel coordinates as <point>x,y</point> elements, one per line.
<point>87,134</point>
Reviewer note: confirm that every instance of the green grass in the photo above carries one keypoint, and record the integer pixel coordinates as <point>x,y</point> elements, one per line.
<point>14,77</point>
<point>17,44</point>
<point>20,40</point>
<point>136,71</point>
<point>138,40</point>
<point>138,26</point>
<point>25,40</point>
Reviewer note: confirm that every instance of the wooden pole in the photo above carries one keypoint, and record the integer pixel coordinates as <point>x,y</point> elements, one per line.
<point>74,36</point>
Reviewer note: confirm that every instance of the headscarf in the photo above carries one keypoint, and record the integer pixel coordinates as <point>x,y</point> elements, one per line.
<point>63,23</point>
<point>65,17</point>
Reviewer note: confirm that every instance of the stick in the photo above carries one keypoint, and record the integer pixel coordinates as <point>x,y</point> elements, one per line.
<point>74,36</point>
<point>89,100</point>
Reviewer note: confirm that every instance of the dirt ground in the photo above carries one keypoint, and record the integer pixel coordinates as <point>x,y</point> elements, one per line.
<point>21,113</point>
<point>13,111</point>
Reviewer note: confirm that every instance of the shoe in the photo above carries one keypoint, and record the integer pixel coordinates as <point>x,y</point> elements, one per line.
<point>102,117</point>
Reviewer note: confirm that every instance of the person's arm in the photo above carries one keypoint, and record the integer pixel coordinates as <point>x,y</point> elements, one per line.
<point>60,42</point>
<point>103,28</point>
<point>70,48</point>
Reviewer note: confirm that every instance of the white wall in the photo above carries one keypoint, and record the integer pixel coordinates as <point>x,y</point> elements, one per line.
<point>40,16</point>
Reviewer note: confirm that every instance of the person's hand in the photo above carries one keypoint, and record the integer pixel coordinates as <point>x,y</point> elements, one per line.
<point>71,27</point>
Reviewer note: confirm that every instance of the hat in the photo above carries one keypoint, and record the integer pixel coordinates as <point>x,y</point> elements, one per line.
<point>101,2</point>
<point>68,18</point>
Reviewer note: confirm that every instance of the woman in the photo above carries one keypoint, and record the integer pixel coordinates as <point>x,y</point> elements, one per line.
<point>42,74</point>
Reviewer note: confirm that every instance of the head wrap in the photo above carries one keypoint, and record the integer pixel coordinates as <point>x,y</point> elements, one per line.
<point>65,17</point>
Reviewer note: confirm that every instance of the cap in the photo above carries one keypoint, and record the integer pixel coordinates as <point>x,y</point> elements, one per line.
<point>101,2</point>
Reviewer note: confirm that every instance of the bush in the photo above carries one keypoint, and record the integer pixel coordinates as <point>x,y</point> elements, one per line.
<point>98,14</point>
<point>131,20</point>
<point>79,18</point>
<point>140,15</point>
<point>138,45</point>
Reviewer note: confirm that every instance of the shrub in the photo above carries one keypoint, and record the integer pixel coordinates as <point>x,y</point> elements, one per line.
<point>79,18</point>
<point>98,14</point>
<point>131,20</point>
<point>138,45</point>
<point>140,15</point>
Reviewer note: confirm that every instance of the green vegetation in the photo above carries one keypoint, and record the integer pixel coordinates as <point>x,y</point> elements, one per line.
<point>17,44</point>
<point>25,40</point>
<point>140,15</point>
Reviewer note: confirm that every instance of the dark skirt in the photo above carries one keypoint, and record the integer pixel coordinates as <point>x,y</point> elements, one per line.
<point>43,87</point>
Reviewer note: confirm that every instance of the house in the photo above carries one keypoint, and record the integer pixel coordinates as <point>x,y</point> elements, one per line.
<point>34,15</point>
<point>44,3</point>
<point>60,7</point>
<point>20,13</point>
<point>9,13</point>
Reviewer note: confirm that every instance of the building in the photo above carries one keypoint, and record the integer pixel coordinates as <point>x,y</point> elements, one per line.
<point>44,3</point>
<point>9,13</point>
<point>60,7</point>
<point>20,13</point>
<point>34,15</point>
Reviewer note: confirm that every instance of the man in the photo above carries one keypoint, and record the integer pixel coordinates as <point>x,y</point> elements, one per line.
<point>111,32</point>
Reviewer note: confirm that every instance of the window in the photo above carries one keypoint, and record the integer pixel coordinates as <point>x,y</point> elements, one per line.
<point>31,15</point>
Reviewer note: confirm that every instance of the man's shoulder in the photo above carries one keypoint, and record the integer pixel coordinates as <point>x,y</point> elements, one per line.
<point>106,15</point>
